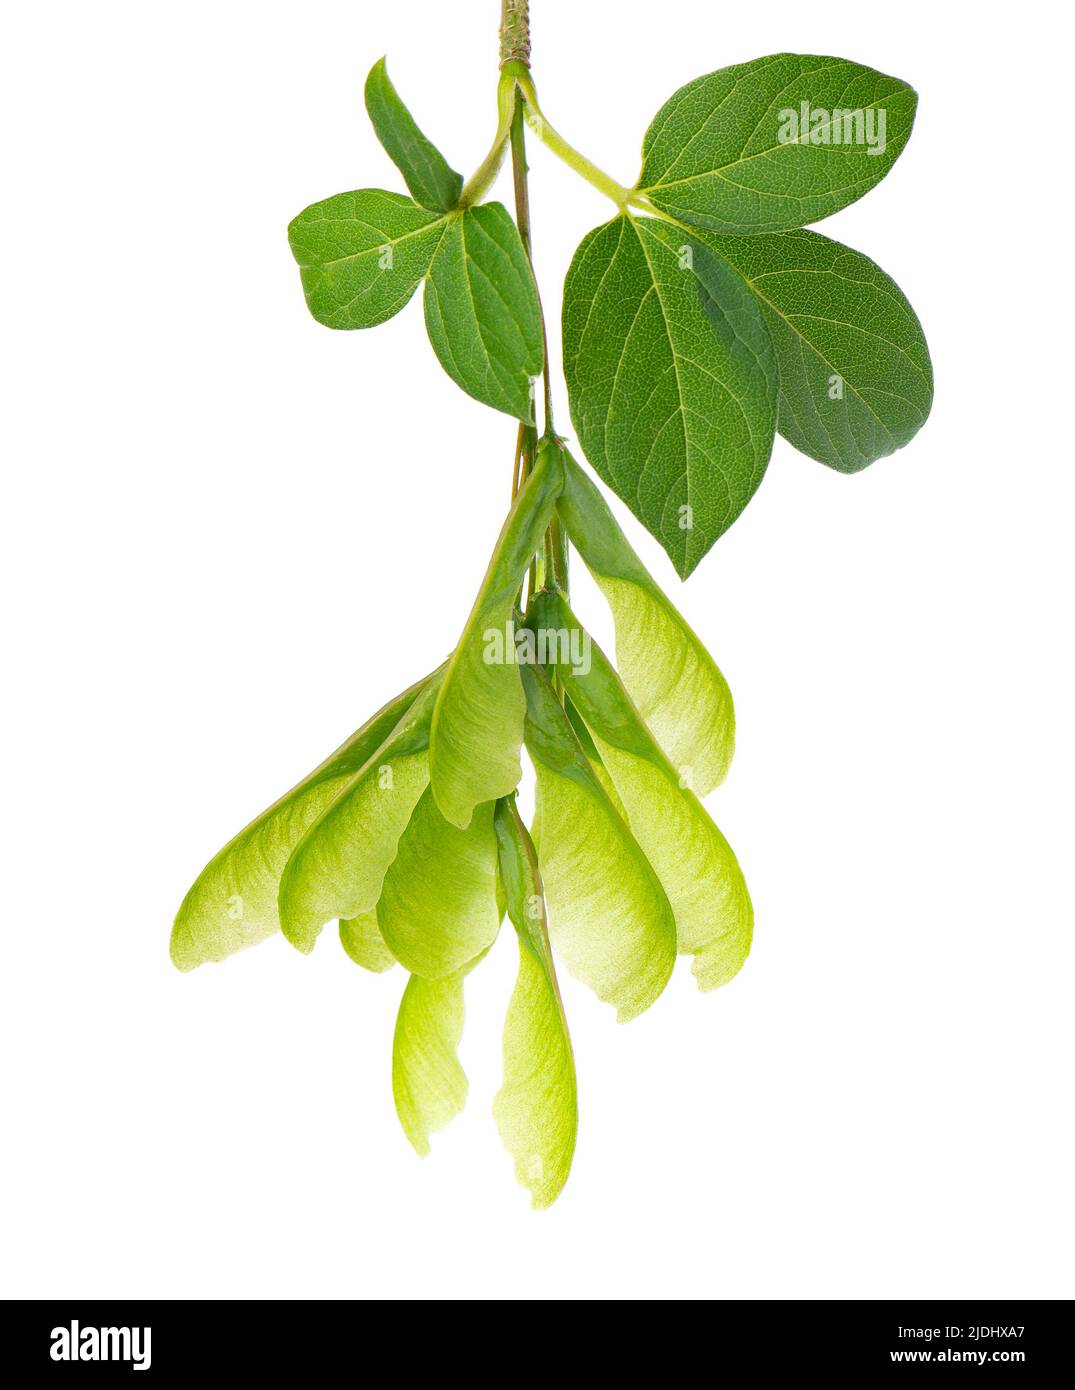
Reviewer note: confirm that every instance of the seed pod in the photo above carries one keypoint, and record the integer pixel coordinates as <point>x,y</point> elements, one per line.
<point>674,682</point>
<point>339,865</point>
<point>611,921</point>
<point>361,938</point>
<point>694,862</point>
<point>438,907</point>
<point>478,722</point>
<point>233,901</point>
<point>536,1109</point>
<point>428,1084</point>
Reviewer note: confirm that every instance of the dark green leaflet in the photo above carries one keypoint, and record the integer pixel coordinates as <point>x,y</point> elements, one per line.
<point>426,172</point>
<point>731,151</point>
<point>856,381</point>
<point>672,380</point>
<point>232,903</point>
<point>362,255</point>
<point>482,311</point>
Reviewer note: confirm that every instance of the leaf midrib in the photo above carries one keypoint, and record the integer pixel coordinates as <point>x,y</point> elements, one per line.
<point>388,241</point>
<point>677,357</point>
<point>720,170</point>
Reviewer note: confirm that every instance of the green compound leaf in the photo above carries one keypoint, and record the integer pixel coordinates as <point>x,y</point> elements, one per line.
<point>673,681</point>
<point>478,721</point>
<point>425,171</point>
<point>770,145</point>
<point>482,311</point>
<point>362,940</point>
<point>438,907</point>
<point>428,1084</point>
<point>233,902</point>
<point>672,380</point>
<point>362,255</point>
<point>339,865</point>
<point>536,1109</point>
<point>611,921</point>
<point>856,381</point>
<point>695,864</point>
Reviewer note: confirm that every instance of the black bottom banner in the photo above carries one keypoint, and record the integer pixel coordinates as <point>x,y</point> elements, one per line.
<point>172,1340</point>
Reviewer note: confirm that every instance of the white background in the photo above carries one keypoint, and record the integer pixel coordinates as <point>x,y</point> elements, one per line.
<point>229,534</point>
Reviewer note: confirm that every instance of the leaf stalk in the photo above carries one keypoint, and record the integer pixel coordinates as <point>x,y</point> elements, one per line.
<point>574,159</point>
<point>483,178</point>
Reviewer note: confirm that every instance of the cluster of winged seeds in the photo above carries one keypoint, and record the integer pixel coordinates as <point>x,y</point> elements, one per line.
<point>409,833</point>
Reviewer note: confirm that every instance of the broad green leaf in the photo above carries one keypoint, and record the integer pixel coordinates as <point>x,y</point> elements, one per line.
<point>429,1085</point>
<point>362,255</point>
<point>536,1109</point>
<point>438,907</point>
<point>775,143</point>
<point>233,902</point>
<point>362,940</point>
<point>478,721</point>
<point>856,381</point>
<point>431,181</point>
<point>673,681</point>
<point>611,921</point>
<point>482,311</point>
<point>672,380</point>
<point>695,864</point>
<point>338,867</point>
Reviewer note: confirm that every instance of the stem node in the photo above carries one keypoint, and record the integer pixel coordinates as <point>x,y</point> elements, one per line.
<point>515,32</point>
